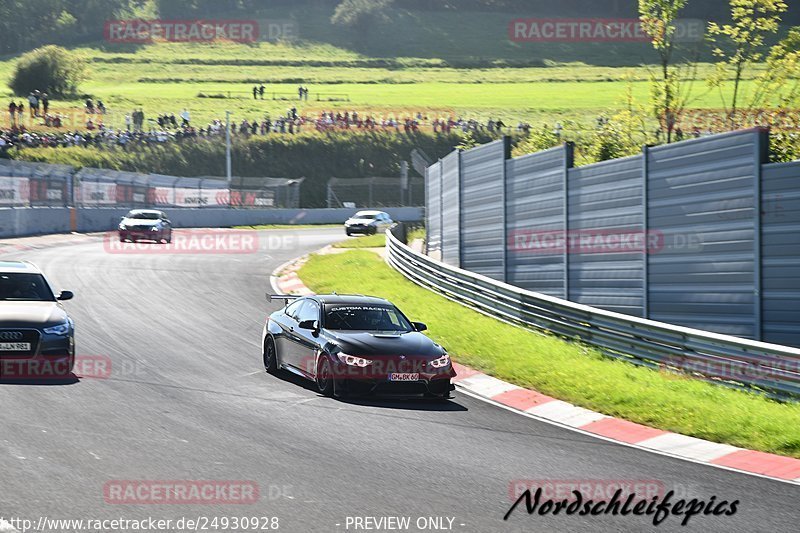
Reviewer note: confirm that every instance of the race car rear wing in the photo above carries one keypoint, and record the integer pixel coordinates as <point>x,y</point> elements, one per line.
<point>284,297</point>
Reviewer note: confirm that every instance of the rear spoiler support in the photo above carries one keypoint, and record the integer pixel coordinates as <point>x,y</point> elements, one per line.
<point>284,297</point>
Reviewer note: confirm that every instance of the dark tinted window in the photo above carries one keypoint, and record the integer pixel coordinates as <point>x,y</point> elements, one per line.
<point>365,318</point>
<point>146,215</point>
<point>25,288</point>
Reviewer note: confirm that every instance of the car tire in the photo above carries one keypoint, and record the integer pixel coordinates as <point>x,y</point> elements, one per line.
<point>169,238</point>
<point>373,231</point>
<point>348,233</point>
<point>324,377</point>
<point>270,356</point>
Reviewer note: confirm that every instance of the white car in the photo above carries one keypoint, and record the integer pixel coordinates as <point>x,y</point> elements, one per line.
<point>368,223</point>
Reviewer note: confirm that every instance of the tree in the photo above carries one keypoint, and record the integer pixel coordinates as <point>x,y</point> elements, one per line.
<point>360,15</point>
<point>51,69</point>
<point>658,22</point>
<point>741,43</point>
<point>780,81</point>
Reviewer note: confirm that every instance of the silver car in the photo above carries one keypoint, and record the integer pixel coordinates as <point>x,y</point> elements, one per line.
<point>368,223</point>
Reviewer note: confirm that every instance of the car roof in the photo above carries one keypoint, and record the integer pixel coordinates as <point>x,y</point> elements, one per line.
<point>138,211</point>
<point>350,299</point>
<point>370,213</point>
<point>8,267</point>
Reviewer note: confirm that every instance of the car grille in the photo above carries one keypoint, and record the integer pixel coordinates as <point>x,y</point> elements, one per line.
<point>30,336</point>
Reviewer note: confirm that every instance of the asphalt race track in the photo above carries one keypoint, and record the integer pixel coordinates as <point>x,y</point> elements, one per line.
<point>187,399</point>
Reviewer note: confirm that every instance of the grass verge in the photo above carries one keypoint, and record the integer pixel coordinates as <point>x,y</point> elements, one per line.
<point>568,371</point>
<point>367,241</point>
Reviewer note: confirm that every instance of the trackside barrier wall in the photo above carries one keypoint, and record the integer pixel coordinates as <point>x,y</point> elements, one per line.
<point>482,207</point>
<point>25,184</point>
<point>451,208</point>
<point>702,197</point>
<point>780,248</point>
<point>433,211</point>
<point>37,221</point>
<point>608,198</point>
<point>535,190</point>
<point>728,360</point>
<point>702,233</point>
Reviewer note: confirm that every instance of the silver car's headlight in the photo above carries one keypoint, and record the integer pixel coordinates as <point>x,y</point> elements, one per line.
<point>61,329</point>
<point>123,227</point>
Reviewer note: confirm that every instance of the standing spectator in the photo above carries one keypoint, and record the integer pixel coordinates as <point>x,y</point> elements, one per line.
<point>255,92</point>
<point>101,108</point>
<point>45,103</point>
<point>305,92</point>
<point>186,117</point>
<point>261,90</point>
<point>33,104</point>
<point>128,121</point>
<point>20,113</point>
<point>12,111</point>
<point>300,91</point>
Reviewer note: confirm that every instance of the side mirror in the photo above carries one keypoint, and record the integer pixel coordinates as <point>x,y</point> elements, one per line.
<point>313,325</point>
<point>66,295</point>
<point>419,326</point>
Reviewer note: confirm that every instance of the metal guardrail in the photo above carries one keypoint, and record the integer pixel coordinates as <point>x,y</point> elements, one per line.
<point>740,363</point>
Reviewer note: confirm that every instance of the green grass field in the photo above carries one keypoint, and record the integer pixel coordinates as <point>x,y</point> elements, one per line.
<point>165,78</point>
<point>568,371</point>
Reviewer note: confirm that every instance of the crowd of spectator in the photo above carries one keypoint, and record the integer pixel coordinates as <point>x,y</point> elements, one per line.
<point>138,129</point>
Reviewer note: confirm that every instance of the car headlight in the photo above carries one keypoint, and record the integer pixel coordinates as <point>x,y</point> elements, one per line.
<point>352,360</point>
<point>123,227</point>
<point>442,362</point>
<point>154,228</point>
<point>61,329</point>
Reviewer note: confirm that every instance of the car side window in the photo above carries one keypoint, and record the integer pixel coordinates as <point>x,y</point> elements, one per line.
<point>293,308</point>
<point>310,311</point>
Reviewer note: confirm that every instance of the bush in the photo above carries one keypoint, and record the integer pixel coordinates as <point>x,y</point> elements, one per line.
<point>51,69</point>
<point>784,147</point>
<point>537,140</point>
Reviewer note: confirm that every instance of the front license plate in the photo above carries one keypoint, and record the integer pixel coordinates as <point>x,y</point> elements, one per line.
<point>403,377</point>
<point>15,346</point>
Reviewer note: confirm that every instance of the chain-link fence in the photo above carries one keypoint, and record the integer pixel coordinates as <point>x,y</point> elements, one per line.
<point>376,192</point>
<point>24,184</point>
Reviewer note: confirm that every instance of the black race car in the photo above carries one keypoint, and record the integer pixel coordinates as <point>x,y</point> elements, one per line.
<point>355,345</point>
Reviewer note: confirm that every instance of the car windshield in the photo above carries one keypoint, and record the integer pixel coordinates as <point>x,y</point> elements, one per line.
<point>368,216</point>
<point>143,215</point>
<point>365,318</point>
<point>25,287</point>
